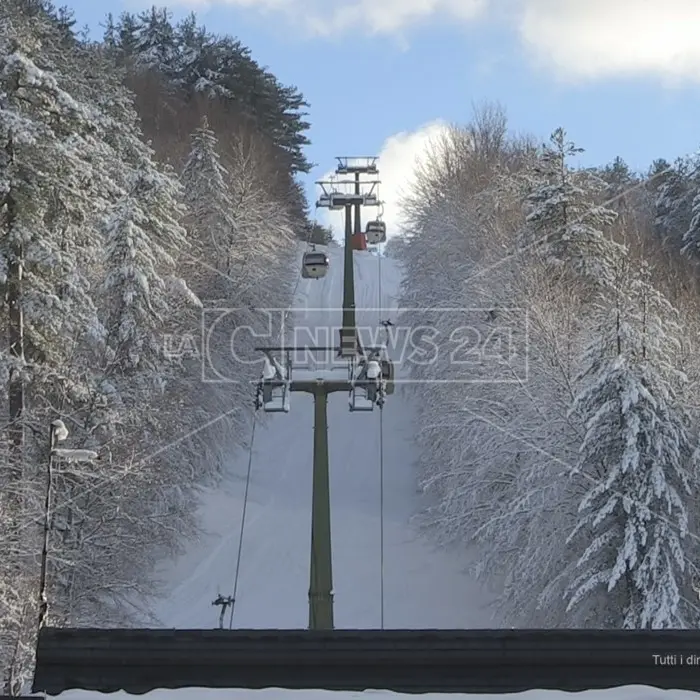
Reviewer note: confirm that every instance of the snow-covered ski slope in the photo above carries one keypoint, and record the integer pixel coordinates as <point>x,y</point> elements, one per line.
<point>424,587</point>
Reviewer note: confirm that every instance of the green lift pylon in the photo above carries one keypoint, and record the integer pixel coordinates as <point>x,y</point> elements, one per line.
<point>321,568</point>
<point>349,339</point>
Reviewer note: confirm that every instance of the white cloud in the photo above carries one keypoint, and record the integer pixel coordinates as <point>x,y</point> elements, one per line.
<point>323,18</point>
<point>390,16</point>
<point>586,39</point>
<point>396,162</point>
<point>578,39</point>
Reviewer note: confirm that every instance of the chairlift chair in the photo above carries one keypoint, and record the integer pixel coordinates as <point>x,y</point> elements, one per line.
<point>363,397</point>
<point>274,386</point>
<point>365,386</point>
<point>275,396</point>
<point>314,265</point>
<point>375,232</point>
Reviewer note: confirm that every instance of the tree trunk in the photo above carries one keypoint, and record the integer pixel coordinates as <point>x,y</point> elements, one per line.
<point>13,290</point>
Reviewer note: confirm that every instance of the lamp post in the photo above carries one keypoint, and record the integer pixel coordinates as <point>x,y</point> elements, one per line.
<point>58,433</point>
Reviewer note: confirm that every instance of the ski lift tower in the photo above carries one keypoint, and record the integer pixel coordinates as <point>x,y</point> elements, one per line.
<point>353,194</point>
<point>366,381</point>
<point>368,378</point>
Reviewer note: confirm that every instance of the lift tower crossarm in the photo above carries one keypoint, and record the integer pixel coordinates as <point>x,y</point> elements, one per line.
<point>334,199</point>
<point>356,164</point>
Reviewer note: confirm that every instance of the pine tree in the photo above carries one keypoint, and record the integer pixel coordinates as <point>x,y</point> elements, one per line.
<point>691,236</point>
<point>620,180</point>
<point>638,454</point>
<point>156,47</point>
<point>144,239</point>
<point>198,67</point>
<point>52,162</point>
<point>564,222</point>
<point>673,203</point>
<point>128,31</point>
<point>110,37</point>
<point>206,186</point>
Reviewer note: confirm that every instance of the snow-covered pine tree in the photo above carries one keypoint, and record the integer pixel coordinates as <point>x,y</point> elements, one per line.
<point>636,458</point>
<point>620,193</point>
<point>144,239</point>
<point>244,250</point>
<point>199,62</point>
<point>211,218</point>
<point>50,160</point>
<point>564,223</point>
<point>674,201</point>
<point>691,237</point>
<point>142,299</point>
<point>127,31</point>
<point>156,47</point>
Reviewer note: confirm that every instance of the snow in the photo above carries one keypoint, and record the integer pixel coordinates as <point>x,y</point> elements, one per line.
<point>373,369</point>
<point>279,403</point>
<point>425,587</point>
<point>359,403</point>
<point>632,692</point>
<point>325,374</point>
<point>268,370</point>
<point>75,455</point>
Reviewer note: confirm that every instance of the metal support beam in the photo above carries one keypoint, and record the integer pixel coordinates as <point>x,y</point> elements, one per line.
<point>349,342</point>
<point>321,574</point>
<point>358,214</point>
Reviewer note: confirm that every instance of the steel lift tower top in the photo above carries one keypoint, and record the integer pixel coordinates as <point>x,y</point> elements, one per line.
<point>337,194</point>
<point>349,165</point>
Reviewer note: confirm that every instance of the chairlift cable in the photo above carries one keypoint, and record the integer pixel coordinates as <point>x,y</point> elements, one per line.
<point>243,514</point>
<point>250,465</point>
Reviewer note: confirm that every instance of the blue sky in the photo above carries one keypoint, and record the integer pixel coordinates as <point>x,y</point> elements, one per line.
<point>621,76</point>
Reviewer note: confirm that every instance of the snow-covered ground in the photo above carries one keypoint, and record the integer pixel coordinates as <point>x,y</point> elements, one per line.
<point>424,587</point>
